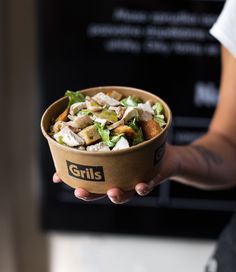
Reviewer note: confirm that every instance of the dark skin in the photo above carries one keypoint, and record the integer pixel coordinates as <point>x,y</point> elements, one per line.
<point>208,163</point>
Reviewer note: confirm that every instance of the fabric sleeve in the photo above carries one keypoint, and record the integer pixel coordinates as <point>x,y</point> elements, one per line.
<point>224,30</point>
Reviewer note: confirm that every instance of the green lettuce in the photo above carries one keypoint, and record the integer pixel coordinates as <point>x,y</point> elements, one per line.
<point>159,116</point>
<point>74,97</point>
<point>108,139</point>
<point>138,138</point>
<point>130,101</point>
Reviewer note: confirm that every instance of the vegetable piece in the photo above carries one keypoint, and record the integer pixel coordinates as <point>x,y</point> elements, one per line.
<point>138,138</point>
<point>130,101</point>
<point>109,115</point>
<point>105,135</point>
<point>159,116</point>
<point>74,97</point>
<point>150,128</point>
<point>90,135</point>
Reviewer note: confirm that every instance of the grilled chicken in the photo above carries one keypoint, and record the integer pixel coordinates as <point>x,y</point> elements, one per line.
<point>98,147</point>
<point>105,100</point>
<point>121,144</point>
<point>67,136</point>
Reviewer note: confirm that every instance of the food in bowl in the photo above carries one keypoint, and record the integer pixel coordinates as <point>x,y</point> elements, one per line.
<point>107,121</point>
<point>98,171</point>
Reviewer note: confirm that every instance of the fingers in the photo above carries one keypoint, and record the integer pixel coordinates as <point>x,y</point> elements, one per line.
<point>145,188</point>
<point>118,196</point>
<point>56,179</point>
<point>85,195</point>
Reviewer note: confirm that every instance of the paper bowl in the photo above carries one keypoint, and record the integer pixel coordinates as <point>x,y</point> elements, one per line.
<point>99,171</point>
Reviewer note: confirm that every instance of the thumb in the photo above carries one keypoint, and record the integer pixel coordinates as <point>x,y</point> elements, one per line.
<point>143,188</point>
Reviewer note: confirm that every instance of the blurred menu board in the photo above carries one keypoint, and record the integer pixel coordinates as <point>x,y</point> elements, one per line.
<point>162,46</point>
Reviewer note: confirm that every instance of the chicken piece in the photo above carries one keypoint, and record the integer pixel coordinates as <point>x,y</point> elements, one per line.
<point>63,116</point>
<point>98,147</point>
<point>76,107</point>
<point>58,126</point>
<point>67,136</point>
<point>145,108</point>
<point>100,121</point>
<point>123,129</point>
<point>149,102</point>
<point>117,124</point>
<point>145,111</point>
<point>150,128</point>
<point>82,121</point>
<point>105,100</point>
<point>118,110</point>
<point>92,105</point>
<point>121,144</point>
<point>114,94</point>
<point>130,113</point>
<point>90,135</point>
<point>145,116</point>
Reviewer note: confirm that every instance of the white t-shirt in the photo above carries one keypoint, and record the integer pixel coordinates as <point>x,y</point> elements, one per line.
<point>224,30</point>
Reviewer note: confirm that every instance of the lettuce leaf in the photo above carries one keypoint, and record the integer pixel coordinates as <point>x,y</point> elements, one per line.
<point>105,135</point>
<point>130,101</point>
<point>74,97</point>
<point>159,116</point>
<point>138,138</point>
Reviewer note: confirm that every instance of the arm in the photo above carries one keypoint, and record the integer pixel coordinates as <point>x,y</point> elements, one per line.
<point>209,162</point>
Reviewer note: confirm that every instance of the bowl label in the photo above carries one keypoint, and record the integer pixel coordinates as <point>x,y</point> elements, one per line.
<point>158,154</point>
<point>85,172</point>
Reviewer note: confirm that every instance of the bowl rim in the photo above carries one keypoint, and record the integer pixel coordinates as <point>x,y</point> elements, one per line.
<point>108,153</point>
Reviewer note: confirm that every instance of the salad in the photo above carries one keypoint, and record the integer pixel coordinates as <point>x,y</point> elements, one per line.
<point>106,121</point>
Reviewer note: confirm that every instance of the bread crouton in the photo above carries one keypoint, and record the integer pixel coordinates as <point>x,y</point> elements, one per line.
<point>90,135</point>
<point>123,129</point>
<point>150,129</point>
<point>114,94</point>
<point>63,115</point>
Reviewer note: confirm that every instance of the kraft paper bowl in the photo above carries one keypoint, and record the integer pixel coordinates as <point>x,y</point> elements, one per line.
<point>99,171</point>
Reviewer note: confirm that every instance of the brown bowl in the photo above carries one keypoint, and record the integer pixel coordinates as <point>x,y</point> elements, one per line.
<point>99,171</point>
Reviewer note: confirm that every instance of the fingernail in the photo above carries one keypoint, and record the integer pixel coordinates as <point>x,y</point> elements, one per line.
<point>143,192</point>
<point>113,199</point>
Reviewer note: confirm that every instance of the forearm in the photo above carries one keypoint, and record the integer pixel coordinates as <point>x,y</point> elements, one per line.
<point>208,163</point>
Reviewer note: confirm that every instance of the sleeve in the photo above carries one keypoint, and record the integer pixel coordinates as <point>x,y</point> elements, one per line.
<point>224,30</point>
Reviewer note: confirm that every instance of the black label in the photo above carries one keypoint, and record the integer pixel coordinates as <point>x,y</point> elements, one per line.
<point>159,152</point>
<point>85,172</point>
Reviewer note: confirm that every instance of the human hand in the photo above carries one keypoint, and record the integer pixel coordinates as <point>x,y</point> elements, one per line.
<point>168,168</point>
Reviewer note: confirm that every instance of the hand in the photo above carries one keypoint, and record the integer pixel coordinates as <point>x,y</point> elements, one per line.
<point>168,167</point>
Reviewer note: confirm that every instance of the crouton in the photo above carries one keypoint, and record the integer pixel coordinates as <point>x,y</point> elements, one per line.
<point>114,94</point>
<point>90,135</point>
<point>63,115</point>
<point>150,128</point>
<point>123,129</point>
